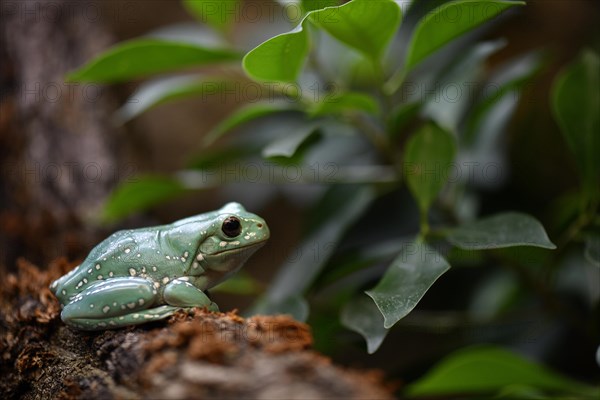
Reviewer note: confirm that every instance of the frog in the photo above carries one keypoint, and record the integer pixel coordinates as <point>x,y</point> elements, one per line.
<point>147,274</point>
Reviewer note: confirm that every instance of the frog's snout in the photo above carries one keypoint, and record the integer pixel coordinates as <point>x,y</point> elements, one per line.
<point>262,229</point>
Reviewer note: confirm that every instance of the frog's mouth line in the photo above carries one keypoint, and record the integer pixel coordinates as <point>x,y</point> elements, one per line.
<point>254,245</point>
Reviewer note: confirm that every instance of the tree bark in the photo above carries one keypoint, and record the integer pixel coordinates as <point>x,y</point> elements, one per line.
<point>196,355</point>
<point>58,150</point>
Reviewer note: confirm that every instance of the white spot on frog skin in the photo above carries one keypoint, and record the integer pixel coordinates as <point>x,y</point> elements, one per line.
<point>136,316</point>
<point>147,316</point>
<point>165,280</point>
<point>157,284</point>
<point>99,277</point>
<point>64,292</point>
<point>104,259</point>
<point>143,270</point>
<point>101,324</point>
<point>132,272</point>
<point>183,259</point>
<point>185,278</point>
<point>122,318</point>
<point>127,251</point>
<point>247,237</point>
<point>85,280</point>
<point>223,244</point>
<point>97,266</point>
<point>122,306</point>
<point>112,323</point>
<point>200,257</point>
<point>111,274</point>
<point>138,255</point>
<point>186,254</point>
<point>195,265</point>
<point>141,302</point>
<point>89,271</point>
<point>236,243</point>
<point>105,309</point>
<point>131,305</point>
<point>114,303</point>
<point>167,257</point>
<point>91,306</point>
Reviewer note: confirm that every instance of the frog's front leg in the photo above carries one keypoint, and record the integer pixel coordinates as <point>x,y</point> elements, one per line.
<point>114,303</point>
<point>181,293</point>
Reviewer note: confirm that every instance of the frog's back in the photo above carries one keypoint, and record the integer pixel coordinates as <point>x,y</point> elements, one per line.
<point>108,259</point>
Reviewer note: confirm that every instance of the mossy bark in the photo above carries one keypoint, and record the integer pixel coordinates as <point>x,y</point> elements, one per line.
<point>191,355</point>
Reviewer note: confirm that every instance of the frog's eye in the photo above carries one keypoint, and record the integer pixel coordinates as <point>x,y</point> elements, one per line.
<point>231,227</point>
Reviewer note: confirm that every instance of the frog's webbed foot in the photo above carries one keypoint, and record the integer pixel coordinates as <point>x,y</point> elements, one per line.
<point>181,293</point>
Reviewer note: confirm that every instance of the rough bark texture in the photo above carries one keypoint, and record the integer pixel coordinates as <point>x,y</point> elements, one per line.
<point>196,355</point>
<point>57,146</point>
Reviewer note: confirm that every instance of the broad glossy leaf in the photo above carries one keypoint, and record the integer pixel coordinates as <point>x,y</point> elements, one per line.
<point>310,5</point>
<point>488,369</point>
<point>139,195</point>
<point>289,144</point>
<point>246,114</point>
<point>217,13</point>
<point>449,21</point>
<point>427,159</point>
<point>156,92</point>
<point>576,101</point>
<point>141,57</point>
<point>501,230</point>
<point>356,23</point>
<point>279,59</point>
<point>404,284</point>
<point>350,101</point>
<point>361,315</point>
<point>361,24</point>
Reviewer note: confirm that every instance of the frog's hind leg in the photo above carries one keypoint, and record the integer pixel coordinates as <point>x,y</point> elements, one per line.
<point>105,301</point>
<point>135,318</point>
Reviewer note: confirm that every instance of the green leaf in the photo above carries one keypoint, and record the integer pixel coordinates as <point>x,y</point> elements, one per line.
<point>501,230</point>
<point>357,23</point>
<point>592,249</point>
<point>218,14</point>
<point>488,369</point>
<point>361,24</point>
<point>361,315</point>
<point>160,91</point>
<point>139,195</point>
<point>401,117</point>
<point>410,275</point>
<point>288,145</point>
<point>344,102</point>
<point>576,101</point>
<point>427,159</point>
<point>279,59</point>
<point>310,5</point>
<point>449,21</point>
<point>246,114</point>
<point>141,57</point>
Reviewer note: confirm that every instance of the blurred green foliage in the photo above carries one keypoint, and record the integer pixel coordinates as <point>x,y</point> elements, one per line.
<point>342,88</point>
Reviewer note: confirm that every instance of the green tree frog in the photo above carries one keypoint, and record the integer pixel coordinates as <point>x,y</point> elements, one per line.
<point>140,275</point>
